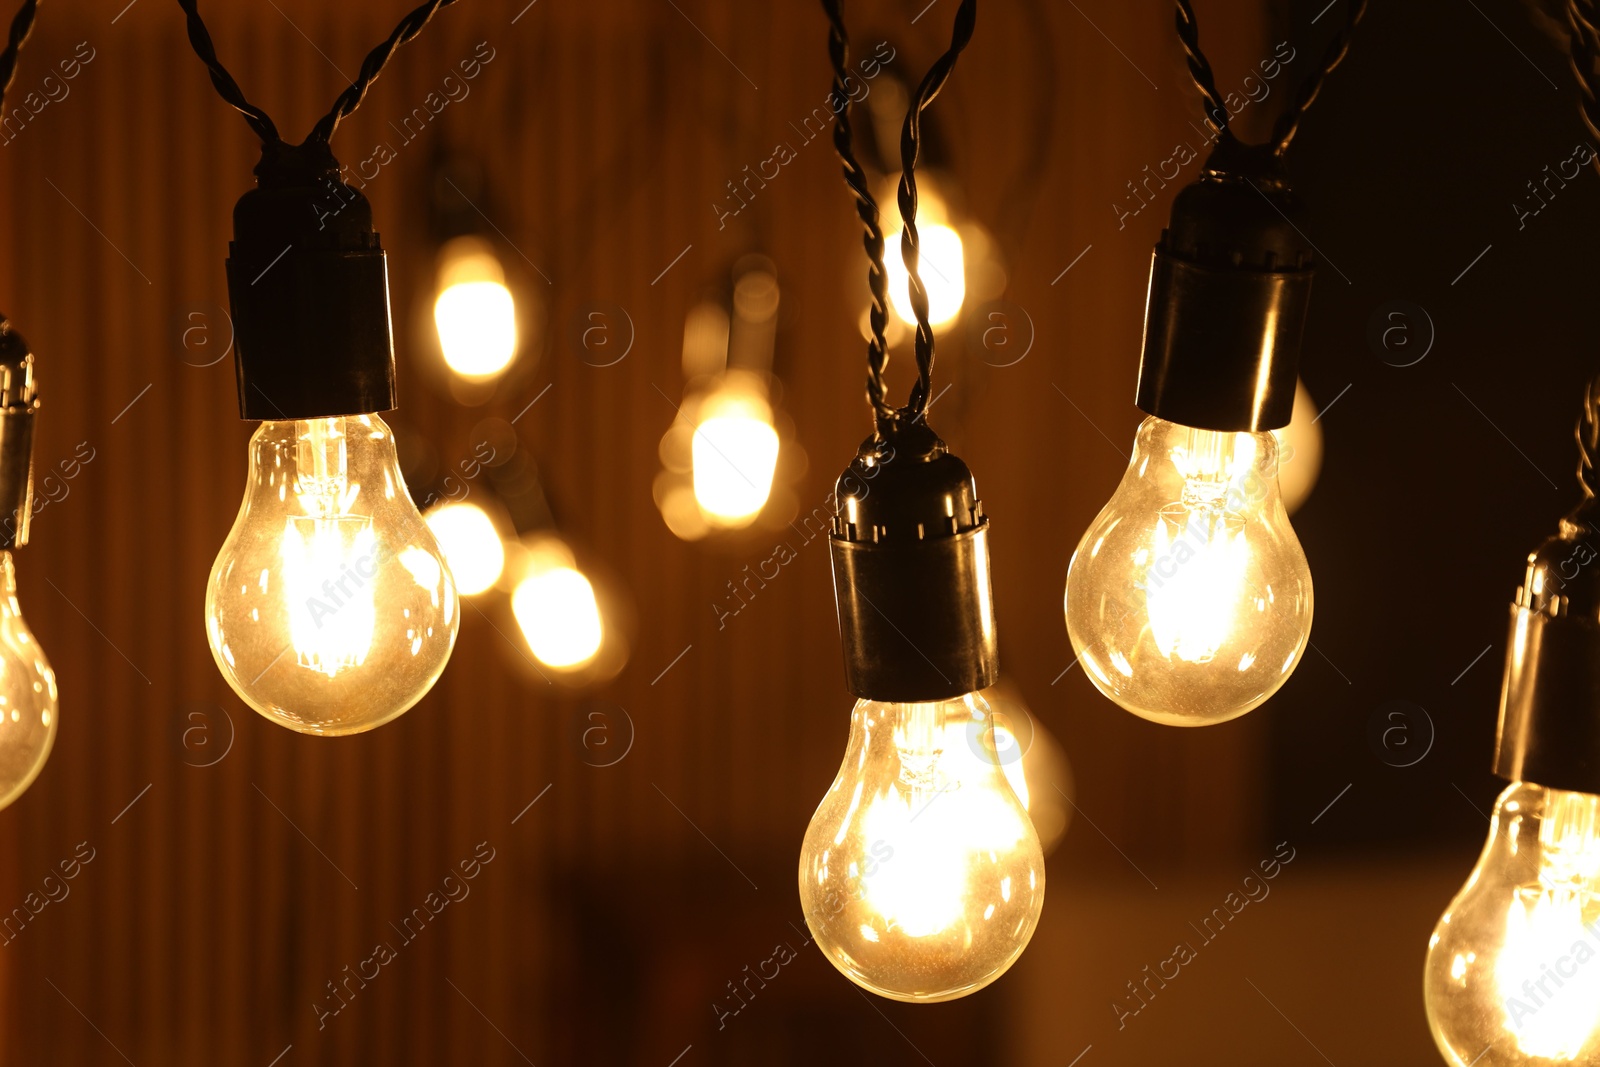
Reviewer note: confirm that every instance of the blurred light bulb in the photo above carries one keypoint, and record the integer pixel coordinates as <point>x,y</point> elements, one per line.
<point>555,606</point>
<point>1513,972</point>
<point>921,877</point>
<point>942,267</point>
<point>27,694</point>
<point>474,311</point>
<point>1189,598</point>
<point>330,609</point>
<point>1299,451</point>
<point>735,452</point>
<point>471,546</point>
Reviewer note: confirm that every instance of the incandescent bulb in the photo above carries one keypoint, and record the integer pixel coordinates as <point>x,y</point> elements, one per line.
<point>330,609</point>
<point>1189,598</point>
<point>555,606</point>
<point>942,266</point>
<point>471,546</point>
<point>735,453</point>
<point>27,694</point>
<point>921,877</point>
<point>1513,972</point>
<point>474,312</point>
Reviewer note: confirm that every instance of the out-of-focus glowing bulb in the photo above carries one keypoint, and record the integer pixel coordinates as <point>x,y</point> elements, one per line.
<point>1299,451</point>
<point>735,452</point>
<point>942,267</point>
<point>474,312</point>
<point>1513,973</point>
<point>555,606</point>
<point>1189,598</point>
<point>330,609</point>
<point>471,546</point>
<point>921,877</point>
<point>28,713</point>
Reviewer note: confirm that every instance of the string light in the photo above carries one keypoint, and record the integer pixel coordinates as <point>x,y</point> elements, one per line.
<point>474,312</point>
<point>330,609</point>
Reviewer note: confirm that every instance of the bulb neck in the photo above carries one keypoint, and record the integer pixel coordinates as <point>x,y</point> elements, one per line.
<point>910,548</point>
<point>1549,731</point>
<point>309,287</point>
<point>19,402</point>
<point>1230,283</point>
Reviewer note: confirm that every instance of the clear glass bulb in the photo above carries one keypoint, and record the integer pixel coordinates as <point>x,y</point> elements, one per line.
<point>921,877</point>
<point>330,609</point>
<point>1513,973</point>
<point>1189,598</point>
<point>27,694</point>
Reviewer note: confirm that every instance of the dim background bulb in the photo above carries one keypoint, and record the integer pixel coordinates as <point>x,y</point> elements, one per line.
<point>1513,972</point>
<point>1189,598</point>
<point>921,877</point>
<point>471,546</point>
<point>555,606</point>
<point>27,695</point>
<point>330,609</point>
<point>735,454</point>
<point>474,312</point>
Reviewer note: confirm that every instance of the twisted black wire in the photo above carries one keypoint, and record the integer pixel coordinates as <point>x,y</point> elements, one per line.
<point>1587,434</point>
<point>1200,67</point>
<point>910,242</point>
<point>867,208</point>
<point>1584,47</point>
<point>21,26</point>
<point>226,87</point>
<point>1288,123</point>
<point>372,66</point>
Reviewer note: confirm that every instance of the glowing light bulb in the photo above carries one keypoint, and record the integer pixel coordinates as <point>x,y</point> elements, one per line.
<point>735,453</point>
<point>27,695</point>
<point>921,877</point>
<point>1513,972</point>
<point>1189,598</point>
<point>943,268</point>
<point>555,606</point>
<point>474,312</point>
<point>471,546</point>
<point>330,609</point>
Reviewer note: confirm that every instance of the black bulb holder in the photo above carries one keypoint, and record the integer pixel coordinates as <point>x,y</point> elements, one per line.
<point>910,547</point>
<point>1230,282</point>
<point>19,401</point>
<point>309,287</point>
<point>1549,731</point>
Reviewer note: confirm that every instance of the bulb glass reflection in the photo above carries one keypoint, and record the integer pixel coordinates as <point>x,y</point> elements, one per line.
<point>735,454</point>
<point>474,312</point>
<point>1189,598</point>
<point>330,609</point>
<point>1513,972</point>
<point>471,546</point>
<point>921,877</point>
<point>27,694</point>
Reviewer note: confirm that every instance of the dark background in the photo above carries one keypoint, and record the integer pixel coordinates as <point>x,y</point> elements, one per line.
<point>618,907</point>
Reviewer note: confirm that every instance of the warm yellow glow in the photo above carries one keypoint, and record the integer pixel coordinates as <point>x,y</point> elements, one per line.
<point>474,312</point>
<point>331,609</point>
<point>735,452</point>
<point>556,608</point>
<point>1299,451</point>
<point>471,546</point>
<point>1545,931</point>
<point>942,267</point>
<point>1189,598</point>
<point>921,876</point>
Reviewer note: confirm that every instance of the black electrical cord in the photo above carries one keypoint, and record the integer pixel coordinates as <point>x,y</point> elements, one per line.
<point>867,208</point>
<point>1288,123</point>
<point>910,244</point>
<point>348,100</point>
<point>21,26</point>
<point>1587,434</point>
